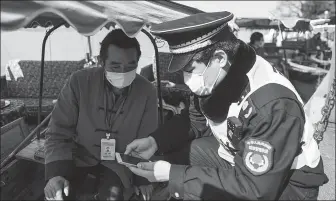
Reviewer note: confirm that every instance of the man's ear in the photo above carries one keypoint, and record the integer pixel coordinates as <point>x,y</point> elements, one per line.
<point>221,58</point>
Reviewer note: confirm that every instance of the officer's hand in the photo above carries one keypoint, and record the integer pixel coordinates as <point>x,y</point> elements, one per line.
<point>145,170</point>
<point>145,148</point>
<point>146,191</point>
<point>153,171</point>
<point>55,188</point>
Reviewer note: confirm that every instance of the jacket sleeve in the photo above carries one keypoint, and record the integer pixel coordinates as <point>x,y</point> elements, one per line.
<point>149,123</point>
<point>182,128</point>
<point>281,125</point>
<point>59,144</point>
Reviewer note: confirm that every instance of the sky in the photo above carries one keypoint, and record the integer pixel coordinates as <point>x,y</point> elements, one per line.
<point>67,44</point>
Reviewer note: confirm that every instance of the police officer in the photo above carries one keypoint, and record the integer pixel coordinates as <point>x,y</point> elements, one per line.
<point>246,135</point>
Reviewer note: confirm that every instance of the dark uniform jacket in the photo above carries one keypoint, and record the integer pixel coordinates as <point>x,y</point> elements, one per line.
<point>78,122</point>
<point>277,121</point>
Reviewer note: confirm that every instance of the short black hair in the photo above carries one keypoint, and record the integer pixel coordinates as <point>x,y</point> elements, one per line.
<point>120,39</point>
<point>256,36</point>
<point>226,41</point>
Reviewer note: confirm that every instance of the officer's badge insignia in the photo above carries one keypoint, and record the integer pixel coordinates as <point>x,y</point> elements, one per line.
<point>248,109</point>
<point>248,113</point>
<point>258,156</point>
<point>244,106</point>
<point>230,133</point>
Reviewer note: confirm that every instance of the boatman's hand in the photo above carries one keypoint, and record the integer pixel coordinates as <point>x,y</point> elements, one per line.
<point>146,191</point>
<point>153,171</point>
<point>55,188</point>
<point>144,147</point>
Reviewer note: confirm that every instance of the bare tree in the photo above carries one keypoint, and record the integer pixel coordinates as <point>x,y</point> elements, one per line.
<point>304,9</point>
<point>315,9</point>
<point>289,9</point>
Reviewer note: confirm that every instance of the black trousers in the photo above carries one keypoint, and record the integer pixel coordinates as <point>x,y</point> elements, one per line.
<point>97,180</point>
<point>204,152</point>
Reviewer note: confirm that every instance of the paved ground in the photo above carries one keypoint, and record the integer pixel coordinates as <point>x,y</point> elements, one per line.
<point>327,147</point>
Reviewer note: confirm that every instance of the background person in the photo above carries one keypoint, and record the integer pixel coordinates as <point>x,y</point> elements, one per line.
<point>257,43</point>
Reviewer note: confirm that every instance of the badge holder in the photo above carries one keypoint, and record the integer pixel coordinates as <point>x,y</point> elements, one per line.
<point>107,151</point>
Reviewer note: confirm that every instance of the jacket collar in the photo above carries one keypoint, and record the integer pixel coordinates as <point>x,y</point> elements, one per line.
<point>230,89</point>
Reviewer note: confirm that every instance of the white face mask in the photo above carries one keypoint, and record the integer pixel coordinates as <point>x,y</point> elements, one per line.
<point>197,85</point>
<point>121,80</point>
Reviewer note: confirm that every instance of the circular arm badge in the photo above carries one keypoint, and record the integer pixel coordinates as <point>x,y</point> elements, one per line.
<point>258,156</point>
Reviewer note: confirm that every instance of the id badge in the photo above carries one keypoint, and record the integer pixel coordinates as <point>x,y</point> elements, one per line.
<point>107,151</point>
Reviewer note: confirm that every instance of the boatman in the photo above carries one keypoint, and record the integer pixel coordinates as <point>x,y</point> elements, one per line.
<point>98,112</point>
<point>262,145</point>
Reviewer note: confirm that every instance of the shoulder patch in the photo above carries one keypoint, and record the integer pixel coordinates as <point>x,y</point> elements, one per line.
<point>258,156</point>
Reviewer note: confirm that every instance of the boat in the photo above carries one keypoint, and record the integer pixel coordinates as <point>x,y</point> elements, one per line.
<point>22,170</point>
<point>292,57</point>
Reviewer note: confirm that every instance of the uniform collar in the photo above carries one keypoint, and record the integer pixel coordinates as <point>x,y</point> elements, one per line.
<point>232,88</point>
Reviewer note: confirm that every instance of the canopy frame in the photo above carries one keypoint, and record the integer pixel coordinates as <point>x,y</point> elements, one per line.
<point>50,17</point>
<point>39,126</point>
<point>42,73</point>
<point>158,77</point>
<point>152,39</point>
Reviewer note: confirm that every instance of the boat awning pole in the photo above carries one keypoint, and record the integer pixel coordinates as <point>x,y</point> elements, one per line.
<point>42,73</point>
<point>90,48</point>
<point>157,73</point>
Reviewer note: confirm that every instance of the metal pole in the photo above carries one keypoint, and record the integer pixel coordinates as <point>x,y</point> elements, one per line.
<point>284,66</point>
<point>157,73</point>
<point>18,148</point>
<point>90,48</point>
<point>42,72</point>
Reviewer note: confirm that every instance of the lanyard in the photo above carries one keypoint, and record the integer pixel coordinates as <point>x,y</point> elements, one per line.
<point>110,122</point>
<point>108,117</point>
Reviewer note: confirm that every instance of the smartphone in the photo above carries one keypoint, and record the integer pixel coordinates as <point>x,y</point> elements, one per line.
<point>129,160</point>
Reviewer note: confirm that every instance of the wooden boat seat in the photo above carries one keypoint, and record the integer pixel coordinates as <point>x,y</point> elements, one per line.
<point>12,135</point>
<point>28,153</point>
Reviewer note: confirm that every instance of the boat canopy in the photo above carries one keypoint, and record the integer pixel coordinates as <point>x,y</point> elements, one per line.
<point>286,24</point>
<point>255,23</point>
<point>88,17</point>
<point>293,24</point>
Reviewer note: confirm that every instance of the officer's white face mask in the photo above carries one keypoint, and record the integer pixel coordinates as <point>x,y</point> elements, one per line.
<point>121,80</point>
<point>198,84</point>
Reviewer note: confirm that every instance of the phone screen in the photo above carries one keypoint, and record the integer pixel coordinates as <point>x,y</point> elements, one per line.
<point>130,159</point>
